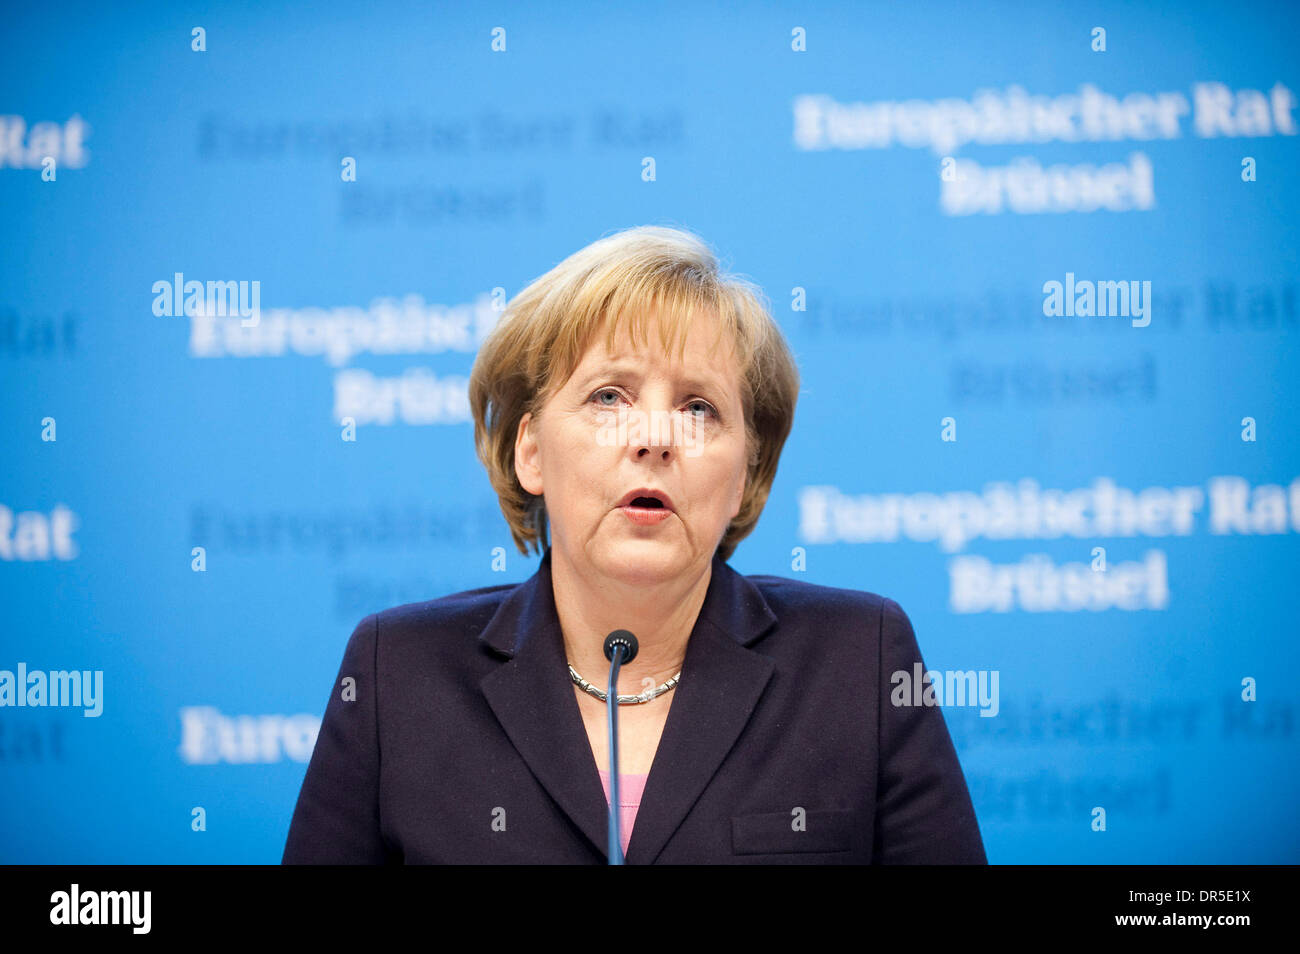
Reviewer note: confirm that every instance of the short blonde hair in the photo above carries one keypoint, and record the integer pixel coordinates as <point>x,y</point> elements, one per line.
<point>546,329</point>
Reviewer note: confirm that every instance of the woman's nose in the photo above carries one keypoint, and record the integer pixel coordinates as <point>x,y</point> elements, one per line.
<point>658,428</point>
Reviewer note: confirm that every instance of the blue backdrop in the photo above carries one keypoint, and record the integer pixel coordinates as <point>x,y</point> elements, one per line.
<point>1099,507</point>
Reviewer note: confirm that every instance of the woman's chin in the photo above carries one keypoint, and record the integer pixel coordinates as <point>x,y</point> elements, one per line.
<point>645,560</point>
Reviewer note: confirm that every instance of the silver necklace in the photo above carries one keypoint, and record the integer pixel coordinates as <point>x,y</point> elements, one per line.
<point>646,696</point>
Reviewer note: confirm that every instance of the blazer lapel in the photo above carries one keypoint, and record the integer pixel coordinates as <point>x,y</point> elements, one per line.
<point>722,681</point>
<point>533,700</point>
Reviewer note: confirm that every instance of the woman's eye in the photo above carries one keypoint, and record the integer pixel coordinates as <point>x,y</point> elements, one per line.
<point>707,408</point>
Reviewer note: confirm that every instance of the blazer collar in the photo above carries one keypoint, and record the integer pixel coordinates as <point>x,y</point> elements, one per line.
<point>533,699</point>
<point>732,603</point>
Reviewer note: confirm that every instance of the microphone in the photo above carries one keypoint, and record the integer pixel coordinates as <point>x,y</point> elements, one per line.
<point>621,637</point>
<point>620,647</point>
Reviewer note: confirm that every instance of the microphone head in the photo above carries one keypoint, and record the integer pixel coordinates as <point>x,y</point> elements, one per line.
<point>621,637</point>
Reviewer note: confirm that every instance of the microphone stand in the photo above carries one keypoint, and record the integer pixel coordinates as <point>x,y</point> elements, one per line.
<point>620,647</point>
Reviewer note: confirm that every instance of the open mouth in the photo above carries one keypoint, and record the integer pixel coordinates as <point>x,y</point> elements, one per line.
<point>647,507</point>
<point>646,498</point>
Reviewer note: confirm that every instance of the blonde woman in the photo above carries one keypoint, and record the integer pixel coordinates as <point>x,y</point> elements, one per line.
<point>630,408</point>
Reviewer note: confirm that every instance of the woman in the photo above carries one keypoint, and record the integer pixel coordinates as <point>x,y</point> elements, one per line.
<point>632,404</point>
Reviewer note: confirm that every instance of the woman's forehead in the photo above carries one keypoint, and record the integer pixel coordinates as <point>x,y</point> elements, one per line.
<point>705,362</point>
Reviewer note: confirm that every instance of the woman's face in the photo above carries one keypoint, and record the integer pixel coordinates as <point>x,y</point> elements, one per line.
<point>637,418</point>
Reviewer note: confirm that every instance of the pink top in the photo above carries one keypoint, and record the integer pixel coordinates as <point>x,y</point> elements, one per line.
<point>630,790</point>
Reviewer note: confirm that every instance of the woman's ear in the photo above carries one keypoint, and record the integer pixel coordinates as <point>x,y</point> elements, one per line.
<point>528,456</point>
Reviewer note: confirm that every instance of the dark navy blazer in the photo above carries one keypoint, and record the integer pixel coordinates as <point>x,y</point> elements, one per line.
<point>460,740</point>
